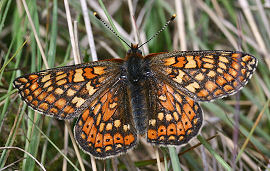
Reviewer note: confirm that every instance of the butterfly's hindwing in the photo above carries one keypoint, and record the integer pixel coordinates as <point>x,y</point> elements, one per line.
<point>174,118</point>
<point>106,128</point>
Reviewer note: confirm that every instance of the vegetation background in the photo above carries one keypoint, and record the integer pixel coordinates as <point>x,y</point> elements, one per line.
<point>236,129</point>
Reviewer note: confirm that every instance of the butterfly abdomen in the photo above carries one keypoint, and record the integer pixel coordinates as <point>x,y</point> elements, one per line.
<point>138,107</point>
<point>136,68</point>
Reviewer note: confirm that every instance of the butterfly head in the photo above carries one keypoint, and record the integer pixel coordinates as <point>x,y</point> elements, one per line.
<point>134,49</point>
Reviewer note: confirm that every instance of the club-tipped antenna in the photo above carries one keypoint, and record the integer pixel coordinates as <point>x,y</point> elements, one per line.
<point>106,25</point>
<point>161,30</point>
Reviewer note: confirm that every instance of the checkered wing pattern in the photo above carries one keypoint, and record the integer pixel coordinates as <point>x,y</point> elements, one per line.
<point>66,92</point>
<point>204,75</point>
<point>106,128</point>
<point>174,118</point>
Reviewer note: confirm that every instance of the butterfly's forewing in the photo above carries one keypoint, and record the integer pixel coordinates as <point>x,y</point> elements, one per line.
<point>106,128</point>
<point>66,92</point>
<point>174,118</point>
<point>204,75</point>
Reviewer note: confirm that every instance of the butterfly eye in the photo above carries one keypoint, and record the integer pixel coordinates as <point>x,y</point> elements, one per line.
<point>134,51</point>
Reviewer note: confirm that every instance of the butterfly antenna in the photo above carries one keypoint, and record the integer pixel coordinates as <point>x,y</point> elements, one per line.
<point>100,19</point>
<point>162,29</point>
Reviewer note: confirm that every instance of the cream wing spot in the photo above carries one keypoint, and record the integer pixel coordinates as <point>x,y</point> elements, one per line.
<point>179,77</point>
<point>199,77</point>
<point>61,82</point>
<point>50,89</point>
<point>211,61</point>
<point>168,117</point>
<point>91,90</point>
<point>211,86</point>
<point>209,56</point>
<point>209,66</point>
<point>117,123</point>
<point>152,122</point>
<point>191,62</point>
<point>59,73</point>
<point>99,70</point>
<point>175,115</point>
<point>211,74</point>
<point>193,86</point>
<point>46,78</point>
<point>101,127</point>
<point>222,65</point>
<point>98,119</point>
<point>59,77</point>
<point>109,126</point>
<point>220,70</point>
<point>78,100</point>
<point>71,92</point>
<point>78,77</point>
<point>112,105</point>
<point>23,80</point>
<point>34,86</point>
<point>126,127</point>
<point>47,84</point>
<point>169,61</point>
<point>59,91</point>
<point>223,59</point>
<point>162,97</point>
<point>160,116</point>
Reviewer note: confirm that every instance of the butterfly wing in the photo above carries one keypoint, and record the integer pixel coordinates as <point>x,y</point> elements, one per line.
<point>106,128</point>
<point>66,92</point>
<point>204,75</point>
<point>187,77</point>
<point>174,118</point>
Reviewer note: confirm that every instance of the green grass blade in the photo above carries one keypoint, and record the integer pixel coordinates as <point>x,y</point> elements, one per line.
<point>111,22</point>
<point>3,15</point>
<point>11,137</point>
<point>33,135</point>
<point>252,130</point>
<point>54,29</point>
<point>213,152</point>
<point>174,159</point>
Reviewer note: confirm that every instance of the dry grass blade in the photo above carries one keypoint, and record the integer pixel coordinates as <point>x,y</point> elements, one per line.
<point>64,167</point>
<point>216,19</point>
<point>36,35</point>
<point>134,28</point>
<point>252,130</point>
<point>75,50</point>
<point>71,32</point>
<point>75,145</point>
<point>245,7</point>
<point>30,155</point>
<point>180,20</point>
<point>89,30</point>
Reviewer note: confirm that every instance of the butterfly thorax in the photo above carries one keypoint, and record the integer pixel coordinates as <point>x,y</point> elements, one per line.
<point>136,69</point>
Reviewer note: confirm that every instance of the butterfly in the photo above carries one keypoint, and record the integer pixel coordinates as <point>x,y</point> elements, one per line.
<point>155,95</point>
